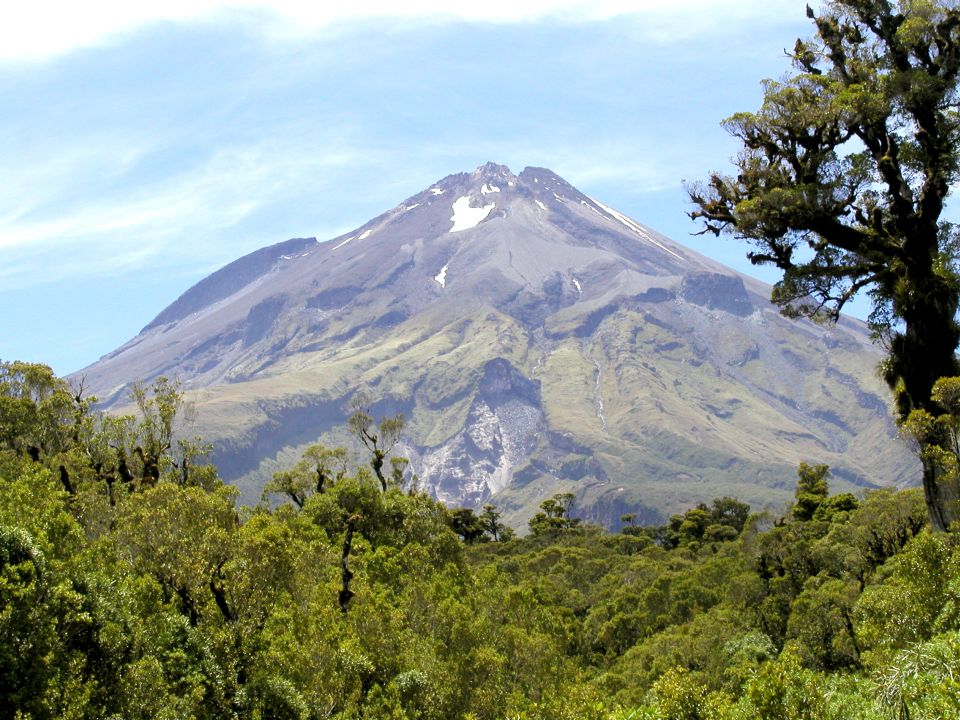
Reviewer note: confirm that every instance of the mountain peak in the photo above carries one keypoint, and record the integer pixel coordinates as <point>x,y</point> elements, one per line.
<point>537,339</point>
<point>489,175</point>
<point>541,174</point>
<point>494,170</point>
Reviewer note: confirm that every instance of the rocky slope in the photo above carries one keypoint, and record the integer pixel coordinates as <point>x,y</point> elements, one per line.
<point>537,341</point>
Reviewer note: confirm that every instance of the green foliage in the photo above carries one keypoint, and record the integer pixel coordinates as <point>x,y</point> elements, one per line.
<point>721,522</point>
<point>916,596</point>
<point>812,490</point>
<point>921,682</point>
<point>842,182</point>
<point>318,467</point>
<point>937,440</point>
<point>492,526</point>
<point>820,625</point>
<point>678,697</point>
<point>24,631</point>
<point>465,523</point>
<point>36,410</point>
<point>156,597</point>
<point>784,689</point>
<point>378,438</point>
<point>554,515</point>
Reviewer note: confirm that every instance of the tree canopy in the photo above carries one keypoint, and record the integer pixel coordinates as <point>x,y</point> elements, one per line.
<point>148,592</point>
<point>842,181</point>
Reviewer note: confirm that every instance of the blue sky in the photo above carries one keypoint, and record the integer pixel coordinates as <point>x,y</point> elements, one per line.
<point>146,144</point>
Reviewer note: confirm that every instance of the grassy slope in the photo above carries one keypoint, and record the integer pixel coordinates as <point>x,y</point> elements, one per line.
<point>691,412</point>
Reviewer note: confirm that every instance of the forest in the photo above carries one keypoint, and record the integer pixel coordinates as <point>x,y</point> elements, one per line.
<point>132,585</point>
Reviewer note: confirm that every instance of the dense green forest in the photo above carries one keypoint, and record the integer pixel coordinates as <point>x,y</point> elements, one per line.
<point>133,586</point>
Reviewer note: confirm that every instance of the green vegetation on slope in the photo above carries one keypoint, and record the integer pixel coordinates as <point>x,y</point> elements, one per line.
<point>133,586</point>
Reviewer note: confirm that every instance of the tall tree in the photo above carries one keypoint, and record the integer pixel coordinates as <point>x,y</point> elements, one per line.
<point>842,182</point>
<point>378,438</point>
<point>318,467</point>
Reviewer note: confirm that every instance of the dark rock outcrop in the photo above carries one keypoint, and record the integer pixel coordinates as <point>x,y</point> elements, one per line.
<point>717,292</point>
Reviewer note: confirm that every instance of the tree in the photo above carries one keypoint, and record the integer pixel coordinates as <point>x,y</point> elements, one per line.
<point>37,410</point>
<point>554,515</point>
<point>159,405</point>
<point>490,520</point>
<point>841,184</point>
<point>465,523</point>
<point>730,512</point>
<point>318,467</point>
<point>182,537</point>
<point>24,639</point>
<point>378,438</point>
<point>812,490</point>
<point>45,420</point>
<point>921,682</point>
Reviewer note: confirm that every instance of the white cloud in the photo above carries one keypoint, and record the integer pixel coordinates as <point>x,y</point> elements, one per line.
<point>47,28</point>
<point>154,221</point>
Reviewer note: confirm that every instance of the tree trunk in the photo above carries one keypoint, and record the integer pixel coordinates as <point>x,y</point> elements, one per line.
<point>377,464</point>
<point>346,575</point>
<point>942,494</point>
<point>921,355</point>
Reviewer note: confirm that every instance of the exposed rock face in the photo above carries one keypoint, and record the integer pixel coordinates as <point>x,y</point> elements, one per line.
<point>538,341</point>
<point>503,428</point>
<point>716,291</point>
<point>260,319</point>
<point>503,384</point>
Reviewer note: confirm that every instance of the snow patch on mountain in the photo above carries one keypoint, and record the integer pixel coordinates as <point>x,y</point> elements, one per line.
<point>591,207</point>
<point>465,217</point>
<point>363,236</point>
<point>436,191</point>
<point>441,277</point>
<point>635,227</point>
<point>487,189</point>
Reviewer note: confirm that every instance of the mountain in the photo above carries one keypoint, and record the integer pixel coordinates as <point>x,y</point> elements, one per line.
<point>537,340</point>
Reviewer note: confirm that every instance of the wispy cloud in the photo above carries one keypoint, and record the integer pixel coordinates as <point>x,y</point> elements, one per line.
<point>154,222</point>
<point>47,28</point>
<point>195,131</point>
<point>227,160</point>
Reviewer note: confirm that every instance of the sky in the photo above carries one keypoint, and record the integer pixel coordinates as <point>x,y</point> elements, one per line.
<point>145,144</point>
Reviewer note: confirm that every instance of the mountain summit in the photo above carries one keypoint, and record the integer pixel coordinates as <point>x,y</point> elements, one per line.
<point>537,340</point>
